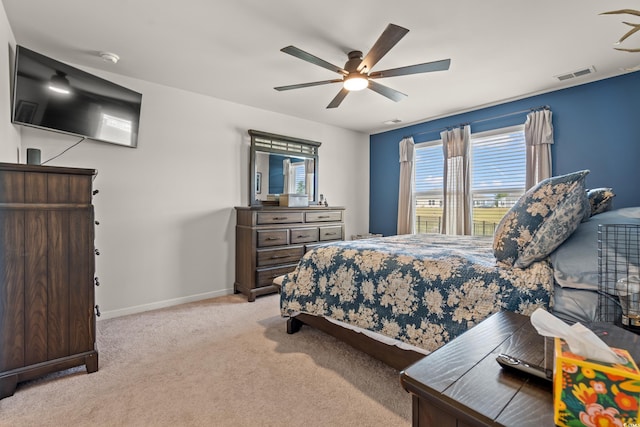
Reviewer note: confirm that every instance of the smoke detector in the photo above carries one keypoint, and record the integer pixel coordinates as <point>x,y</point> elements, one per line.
<point>109,57</point>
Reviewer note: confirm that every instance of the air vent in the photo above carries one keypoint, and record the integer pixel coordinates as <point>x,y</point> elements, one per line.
<point>577,73</point>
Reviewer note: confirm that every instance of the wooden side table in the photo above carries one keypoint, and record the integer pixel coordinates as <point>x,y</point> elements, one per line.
<point>461,384</point>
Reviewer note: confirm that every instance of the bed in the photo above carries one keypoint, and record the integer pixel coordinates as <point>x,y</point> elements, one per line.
<point>419,290</point>
<point>401,297</point>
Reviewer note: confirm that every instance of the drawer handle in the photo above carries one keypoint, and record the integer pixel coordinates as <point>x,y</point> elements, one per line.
<point>303,235</point>
<point>279,256</point>
<point>330,234</point>
<point>323,216</point>
<point>278,218</point>
<point>273,238</point>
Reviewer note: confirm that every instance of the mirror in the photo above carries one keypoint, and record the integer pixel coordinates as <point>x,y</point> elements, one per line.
<point>282,165</point>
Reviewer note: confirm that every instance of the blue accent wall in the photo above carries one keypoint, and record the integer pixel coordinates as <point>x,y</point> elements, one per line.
<point>276,178</point>
<point>596,127</point>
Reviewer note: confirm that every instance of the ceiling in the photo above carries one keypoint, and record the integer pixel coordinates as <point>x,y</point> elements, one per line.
<point>500,50</point>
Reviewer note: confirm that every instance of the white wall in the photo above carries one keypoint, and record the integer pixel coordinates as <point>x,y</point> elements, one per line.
<point>167,223</point>
<point>9,134</point>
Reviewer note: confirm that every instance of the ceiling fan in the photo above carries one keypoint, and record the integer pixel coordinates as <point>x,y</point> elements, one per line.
<point>357,74</point>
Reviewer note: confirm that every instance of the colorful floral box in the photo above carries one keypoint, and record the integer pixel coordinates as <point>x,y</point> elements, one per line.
<point>591,393</point>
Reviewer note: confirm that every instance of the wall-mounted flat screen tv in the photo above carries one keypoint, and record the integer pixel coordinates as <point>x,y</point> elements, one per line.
<point>55,96</point>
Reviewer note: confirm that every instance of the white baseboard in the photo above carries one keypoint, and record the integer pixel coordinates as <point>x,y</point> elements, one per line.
<point>162,304</point>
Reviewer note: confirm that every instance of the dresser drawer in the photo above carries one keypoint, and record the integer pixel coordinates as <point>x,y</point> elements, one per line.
<point>272,237</point>
<point>286,255</point>
<point>332,232</point>
<point>279,217</point>
<point>304,235</point>
<point>323,216</point>
<point>265,276</point>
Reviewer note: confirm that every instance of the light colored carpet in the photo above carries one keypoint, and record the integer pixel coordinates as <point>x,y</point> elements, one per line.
<point>219,362</point>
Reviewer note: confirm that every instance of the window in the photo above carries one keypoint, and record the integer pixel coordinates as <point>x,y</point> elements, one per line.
<point>497,179</point>
<point>429,170</point>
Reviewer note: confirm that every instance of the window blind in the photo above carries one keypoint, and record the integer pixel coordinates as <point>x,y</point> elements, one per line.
<point>498,163</point>
<point>429,169</point>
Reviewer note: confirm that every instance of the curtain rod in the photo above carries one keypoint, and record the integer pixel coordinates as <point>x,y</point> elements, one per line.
<point>541,107</point>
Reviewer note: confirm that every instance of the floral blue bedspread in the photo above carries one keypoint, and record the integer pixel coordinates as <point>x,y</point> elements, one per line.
<point>423,289</point>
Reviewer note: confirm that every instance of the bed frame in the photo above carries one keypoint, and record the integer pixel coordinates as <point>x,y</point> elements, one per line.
<point>390,355</point>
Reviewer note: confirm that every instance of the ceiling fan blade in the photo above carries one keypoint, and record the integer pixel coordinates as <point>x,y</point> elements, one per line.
<point>338,99</point>
<point>388,39</point>
<point>301,85</point>
<point>412,69</point>
<point>305,56</point>
<point>383,90</point>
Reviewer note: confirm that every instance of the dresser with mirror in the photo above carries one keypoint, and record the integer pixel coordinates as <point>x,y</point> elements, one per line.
<point>270,238</point>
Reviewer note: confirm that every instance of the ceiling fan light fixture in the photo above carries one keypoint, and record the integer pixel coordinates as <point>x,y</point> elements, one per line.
<point>357,82</point>
<point>356,74</point>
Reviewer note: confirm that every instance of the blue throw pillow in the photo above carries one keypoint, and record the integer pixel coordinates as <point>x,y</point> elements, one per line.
<point>543,218</point>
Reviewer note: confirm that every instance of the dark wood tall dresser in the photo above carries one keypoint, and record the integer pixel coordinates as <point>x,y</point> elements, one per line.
<point>47,266</point>
<point>270,240</point>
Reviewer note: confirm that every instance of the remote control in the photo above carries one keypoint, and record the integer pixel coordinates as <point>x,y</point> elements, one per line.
<point>510,362</point>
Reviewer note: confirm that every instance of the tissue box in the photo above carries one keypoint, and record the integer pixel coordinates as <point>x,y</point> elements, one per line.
<point>294,200</point>
<point>592,393</point>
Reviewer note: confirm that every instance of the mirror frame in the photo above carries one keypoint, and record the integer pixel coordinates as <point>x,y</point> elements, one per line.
<point>284,145</point>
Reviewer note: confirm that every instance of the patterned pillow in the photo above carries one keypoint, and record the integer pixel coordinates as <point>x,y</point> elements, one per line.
<point>600,200</point>
<point>543,218</point>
